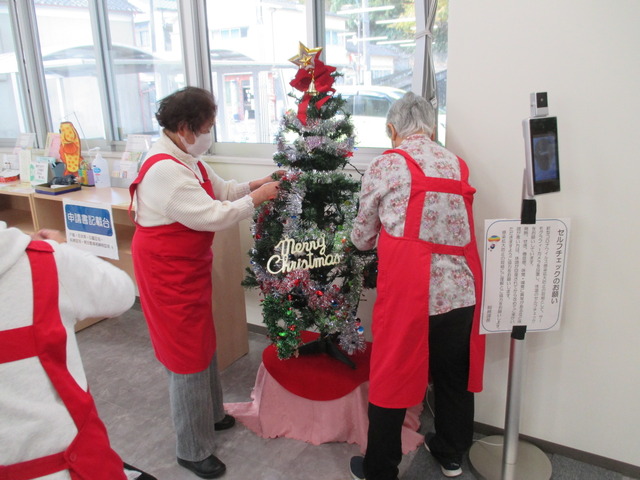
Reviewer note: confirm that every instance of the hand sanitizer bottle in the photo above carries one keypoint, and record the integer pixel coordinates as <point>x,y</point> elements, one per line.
<point>100,168</point>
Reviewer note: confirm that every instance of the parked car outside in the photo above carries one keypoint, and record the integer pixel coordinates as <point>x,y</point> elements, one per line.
<point>368,106</point>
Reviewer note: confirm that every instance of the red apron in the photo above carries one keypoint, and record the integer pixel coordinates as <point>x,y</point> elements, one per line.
<point>89,457</point>
<point>172,265</point>
<point>400,352</point>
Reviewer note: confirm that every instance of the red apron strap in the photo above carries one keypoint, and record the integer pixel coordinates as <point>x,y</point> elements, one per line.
<point>148,163</point>
<point>436,184</point>
<point>36,468</point>
<point>420,184</point>
<point>203,171</point>
<point>17,344</point>
<point>152,160</point>
<point>49,332</point>
<point>206,182</point>
<point>416,196</point>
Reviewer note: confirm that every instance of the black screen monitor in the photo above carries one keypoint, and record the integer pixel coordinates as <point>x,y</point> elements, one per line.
<point>541,142</point>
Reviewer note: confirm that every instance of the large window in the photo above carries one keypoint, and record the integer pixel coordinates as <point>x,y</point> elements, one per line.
<point>375,59</point>
<point>71,72</point>
<point>108,85</point>
<point>101,64</point>
<point>144,73</point>
<point>370,42</point>
<point>250,71</point>
<point>104,64</point>
<point>12,120</point>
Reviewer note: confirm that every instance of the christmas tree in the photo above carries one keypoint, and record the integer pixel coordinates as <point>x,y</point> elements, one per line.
<point>303,261</point>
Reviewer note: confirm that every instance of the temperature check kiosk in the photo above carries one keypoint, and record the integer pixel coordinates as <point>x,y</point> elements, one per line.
<point>542,171</point>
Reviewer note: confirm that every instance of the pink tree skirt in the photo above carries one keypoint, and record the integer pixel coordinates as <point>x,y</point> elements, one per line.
<point>276,412</point>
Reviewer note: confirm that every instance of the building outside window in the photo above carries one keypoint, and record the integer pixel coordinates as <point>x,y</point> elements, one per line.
<point>140,71</point>
<point>372,46</point>
<point>108,84</point>
<point>12,120</point>
<point>250,73</point>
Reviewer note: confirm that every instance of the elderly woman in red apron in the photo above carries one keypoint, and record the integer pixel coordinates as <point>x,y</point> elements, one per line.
<point>416,202</point>
<point>180,203</point>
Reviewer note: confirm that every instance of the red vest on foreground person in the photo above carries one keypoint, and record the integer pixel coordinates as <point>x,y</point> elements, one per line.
<point>400,354</point>
<point>173,265</point>
<point>89,456</point>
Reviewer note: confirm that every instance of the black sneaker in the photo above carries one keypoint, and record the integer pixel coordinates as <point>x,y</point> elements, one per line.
<point>449,468</point>
<point>356,467</point>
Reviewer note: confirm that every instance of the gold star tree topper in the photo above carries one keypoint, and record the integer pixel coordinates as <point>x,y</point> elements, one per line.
<point>305,57</point>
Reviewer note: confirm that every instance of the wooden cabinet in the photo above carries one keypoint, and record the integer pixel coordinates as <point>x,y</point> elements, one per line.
<point>16,207</point>
<point>229,311</point>
<point>32,211</point>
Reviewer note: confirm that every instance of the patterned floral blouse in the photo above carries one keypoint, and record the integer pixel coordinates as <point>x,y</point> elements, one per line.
<point>384,198</point>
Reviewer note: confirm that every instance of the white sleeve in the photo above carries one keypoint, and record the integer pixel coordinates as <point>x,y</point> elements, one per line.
<point>92,287</point>
<point>175,192</point>
<point>226,189</point>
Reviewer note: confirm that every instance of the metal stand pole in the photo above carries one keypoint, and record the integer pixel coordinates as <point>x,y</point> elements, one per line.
<point>512,417</point>
<point>507,458</point>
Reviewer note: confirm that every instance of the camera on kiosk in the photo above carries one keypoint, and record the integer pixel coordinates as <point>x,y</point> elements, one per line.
<point>542,171</point>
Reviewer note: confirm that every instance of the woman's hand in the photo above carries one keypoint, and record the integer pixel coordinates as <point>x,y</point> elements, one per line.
<point>267,191</point>
<point>278,174</point>
<point>48,234</point>
<point>255,184</point>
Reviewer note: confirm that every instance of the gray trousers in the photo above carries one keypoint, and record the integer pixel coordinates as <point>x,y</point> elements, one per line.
<point>196,405</point>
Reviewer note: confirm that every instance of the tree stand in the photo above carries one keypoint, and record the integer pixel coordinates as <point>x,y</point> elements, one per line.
<point>326,343</point>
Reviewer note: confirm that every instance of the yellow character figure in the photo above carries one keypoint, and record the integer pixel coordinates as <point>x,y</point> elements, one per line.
<point>70,148</point>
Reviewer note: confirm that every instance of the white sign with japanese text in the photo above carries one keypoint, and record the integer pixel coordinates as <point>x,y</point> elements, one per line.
<point>90,227</point>
<point>524,274</point>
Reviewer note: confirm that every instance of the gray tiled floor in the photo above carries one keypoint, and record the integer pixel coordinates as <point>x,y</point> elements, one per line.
<point>130,389</point>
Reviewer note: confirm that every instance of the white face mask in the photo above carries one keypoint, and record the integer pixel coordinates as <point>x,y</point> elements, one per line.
<point>201,145</point>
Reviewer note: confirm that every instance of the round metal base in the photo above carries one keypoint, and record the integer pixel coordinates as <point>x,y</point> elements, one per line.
<point>485,457</point>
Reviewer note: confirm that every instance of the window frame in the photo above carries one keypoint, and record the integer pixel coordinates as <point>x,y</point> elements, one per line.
<point>197,62</point>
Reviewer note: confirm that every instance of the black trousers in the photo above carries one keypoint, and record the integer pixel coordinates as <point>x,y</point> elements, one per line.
<point>449,336</point>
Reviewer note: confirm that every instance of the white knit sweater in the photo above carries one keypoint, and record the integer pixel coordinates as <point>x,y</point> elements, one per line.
<point>33,420</point>
<point>172,193</point>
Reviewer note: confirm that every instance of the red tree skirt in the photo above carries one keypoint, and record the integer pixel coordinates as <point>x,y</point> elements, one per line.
<point>317,376</point>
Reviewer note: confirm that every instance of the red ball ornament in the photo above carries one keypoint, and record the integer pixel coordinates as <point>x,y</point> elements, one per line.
<point>319,293</point>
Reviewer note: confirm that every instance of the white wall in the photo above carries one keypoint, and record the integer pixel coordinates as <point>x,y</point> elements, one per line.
<point>582,383</point>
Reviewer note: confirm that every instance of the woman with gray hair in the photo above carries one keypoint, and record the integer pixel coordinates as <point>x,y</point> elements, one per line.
<point>416,204</point>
